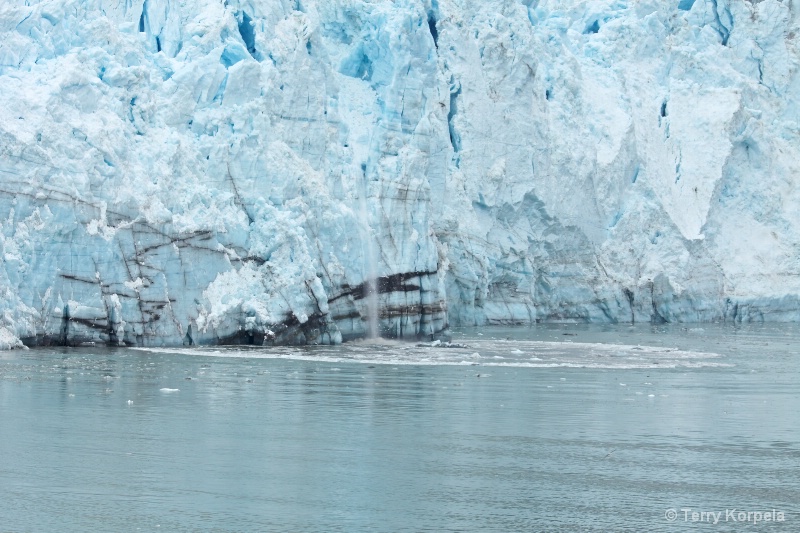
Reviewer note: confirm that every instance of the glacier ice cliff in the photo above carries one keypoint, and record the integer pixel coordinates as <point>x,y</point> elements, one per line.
<point>261,170</point>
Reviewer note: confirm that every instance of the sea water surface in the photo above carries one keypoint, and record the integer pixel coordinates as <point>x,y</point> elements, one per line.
<point>552,428</point>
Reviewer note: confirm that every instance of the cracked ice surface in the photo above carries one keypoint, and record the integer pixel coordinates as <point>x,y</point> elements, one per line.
<point>209,171</point>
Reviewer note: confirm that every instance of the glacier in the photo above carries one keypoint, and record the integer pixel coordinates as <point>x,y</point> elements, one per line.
<point>275,171</point>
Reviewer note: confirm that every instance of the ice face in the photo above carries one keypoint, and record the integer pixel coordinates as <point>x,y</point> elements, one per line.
<point>240,171</point>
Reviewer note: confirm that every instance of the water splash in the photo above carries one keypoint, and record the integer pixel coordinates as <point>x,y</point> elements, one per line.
<point>370,266</point>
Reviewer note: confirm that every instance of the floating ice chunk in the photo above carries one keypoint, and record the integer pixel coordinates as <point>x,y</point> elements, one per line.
<point>454,345</point>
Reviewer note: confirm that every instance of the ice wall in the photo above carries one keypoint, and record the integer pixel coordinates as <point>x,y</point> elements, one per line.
<point>236,171</point>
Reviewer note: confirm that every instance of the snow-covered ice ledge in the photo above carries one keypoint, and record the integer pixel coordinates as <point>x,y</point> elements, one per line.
<point>236,171</point>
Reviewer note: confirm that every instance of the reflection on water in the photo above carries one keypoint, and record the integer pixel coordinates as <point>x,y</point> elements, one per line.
<point>554,428</point>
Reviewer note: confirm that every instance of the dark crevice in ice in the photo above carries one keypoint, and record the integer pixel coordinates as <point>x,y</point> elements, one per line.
<point>629,295</point>
<point>433,20</point>
<point>144,25</point>
<point>656,317</point>
<point>433,30</point>
<point>391,283</point>
<point>188,339</point>
<point>723,30</point>
<point>455,138</point>
<point>594,27</point>
<point>247,32</point>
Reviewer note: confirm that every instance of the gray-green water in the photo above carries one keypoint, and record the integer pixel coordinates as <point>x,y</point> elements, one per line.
<point>604,429</point>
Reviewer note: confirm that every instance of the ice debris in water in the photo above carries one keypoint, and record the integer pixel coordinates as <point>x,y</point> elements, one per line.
<point>439,344</point>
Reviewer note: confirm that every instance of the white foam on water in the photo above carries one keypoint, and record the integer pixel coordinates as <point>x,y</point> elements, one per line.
<point>548,354</point>
<point>165,389</point>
